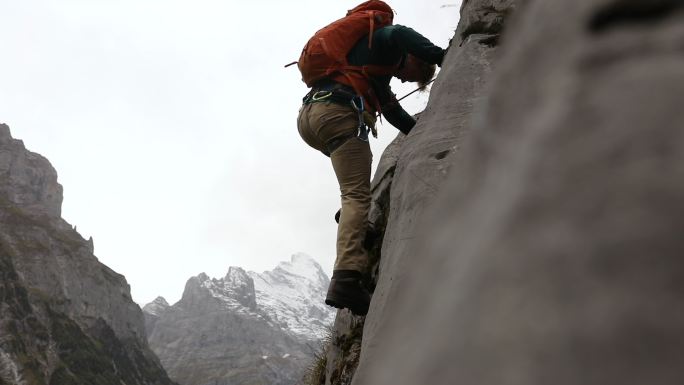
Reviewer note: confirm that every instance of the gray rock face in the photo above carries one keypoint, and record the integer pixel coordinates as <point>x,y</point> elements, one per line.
<point>483,17</point>
<point>65,318</point>
<point>29,180</point>
<point>54,258</point>
<point>421,167</point>
<point>245,328</point>
<point>552,251</point>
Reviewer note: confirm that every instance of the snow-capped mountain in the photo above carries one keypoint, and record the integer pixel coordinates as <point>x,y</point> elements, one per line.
<point>156,307</point>
<point>245,327</point>
<point>236,290</point>
<point>293,295</point>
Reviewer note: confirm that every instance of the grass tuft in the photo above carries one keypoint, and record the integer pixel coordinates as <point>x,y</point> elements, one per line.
<point>315,373</point>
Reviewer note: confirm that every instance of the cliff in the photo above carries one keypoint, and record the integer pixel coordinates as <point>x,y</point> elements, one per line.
<point>532,219</point>
<point>65,318</point>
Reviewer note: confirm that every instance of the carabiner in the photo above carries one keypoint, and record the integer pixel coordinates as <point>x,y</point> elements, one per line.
<point>358,108</point>
<point>317,98</point>
<point>362,132</point>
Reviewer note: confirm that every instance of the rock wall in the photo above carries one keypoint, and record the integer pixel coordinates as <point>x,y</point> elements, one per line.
<point>64,317</point>
<point>423,162</point>
<point>545,245</point>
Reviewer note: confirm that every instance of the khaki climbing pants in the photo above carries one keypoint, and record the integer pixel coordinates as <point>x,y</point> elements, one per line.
<point>318,123</point>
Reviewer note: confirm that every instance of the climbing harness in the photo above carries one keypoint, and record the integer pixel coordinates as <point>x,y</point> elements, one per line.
<point>341,95</point>
<point>336,95</point>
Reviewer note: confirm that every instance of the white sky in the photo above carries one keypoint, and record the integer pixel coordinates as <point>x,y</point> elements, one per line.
<point>171,124</point>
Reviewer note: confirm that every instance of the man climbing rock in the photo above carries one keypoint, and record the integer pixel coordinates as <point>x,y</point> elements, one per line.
<point>349,65</point>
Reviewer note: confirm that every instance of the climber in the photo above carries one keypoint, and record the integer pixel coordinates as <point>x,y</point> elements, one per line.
<point>349,65</point>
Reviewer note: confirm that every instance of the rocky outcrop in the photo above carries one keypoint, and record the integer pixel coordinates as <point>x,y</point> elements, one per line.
<point>483,17</point>
<point>245,328</point>
<point>546,245</point>
<point>65,318</point>
<point>29,182</point>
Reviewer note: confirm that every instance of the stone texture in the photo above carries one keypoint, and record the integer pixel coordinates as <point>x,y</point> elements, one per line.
<point>64,317</point>
<point>344,350</point>
<point>378,215</point>
<point>483,17</point>
<point>28,180</point>
<point>423,163</point>
<point>553,251</point>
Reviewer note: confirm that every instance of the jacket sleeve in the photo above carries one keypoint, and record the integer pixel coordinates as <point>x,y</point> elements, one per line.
<point>408,40</point>
<point>391,109</point>
<point>398,117</point>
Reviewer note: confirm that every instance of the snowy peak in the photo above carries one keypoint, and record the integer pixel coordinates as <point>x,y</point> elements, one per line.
<point>193,292</point>
<point>292,295</point>
<point>237,277</point>
<point>235,290</point>
<point>156,307</point>
<point>303,265</point>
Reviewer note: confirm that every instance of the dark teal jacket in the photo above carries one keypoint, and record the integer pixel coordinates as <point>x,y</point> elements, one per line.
<point>390,44</point>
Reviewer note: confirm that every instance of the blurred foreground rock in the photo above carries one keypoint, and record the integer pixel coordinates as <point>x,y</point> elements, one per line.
<point>535,221</point>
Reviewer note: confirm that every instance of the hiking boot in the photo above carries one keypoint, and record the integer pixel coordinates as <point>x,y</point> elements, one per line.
<point>348,293</point>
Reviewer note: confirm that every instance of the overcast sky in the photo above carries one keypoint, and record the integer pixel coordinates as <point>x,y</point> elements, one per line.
<point>171,124</point>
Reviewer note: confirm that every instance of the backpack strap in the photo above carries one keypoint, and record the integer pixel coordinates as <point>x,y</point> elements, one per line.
<point>371,15</point>
<point>369,70</point>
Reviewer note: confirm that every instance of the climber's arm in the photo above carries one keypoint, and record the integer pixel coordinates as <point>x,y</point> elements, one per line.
<point>392,110</point>
<point>406,39</point>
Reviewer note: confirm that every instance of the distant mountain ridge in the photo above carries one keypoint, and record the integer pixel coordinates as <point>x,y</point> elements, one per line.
<point>245,327</point>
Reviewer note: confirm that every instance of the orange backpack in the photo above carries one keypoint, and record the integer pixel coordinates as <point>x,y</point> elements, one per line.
<point>325,54</point>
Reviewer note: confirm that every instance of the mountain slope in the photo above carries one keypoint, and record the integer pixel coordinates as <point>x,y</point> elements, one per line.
<point>65,318</point>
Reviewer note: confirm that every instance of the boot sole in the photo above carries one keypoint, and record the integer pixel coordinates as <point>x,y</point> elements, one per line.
<point>354,309</point>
